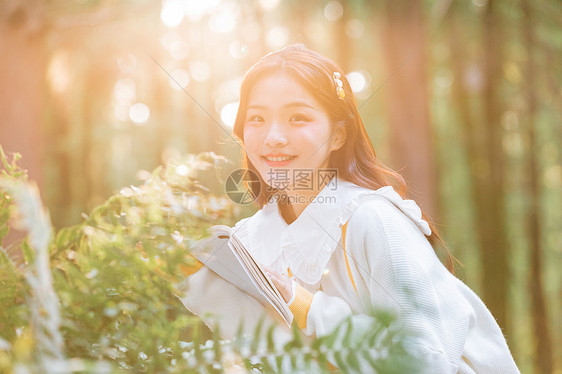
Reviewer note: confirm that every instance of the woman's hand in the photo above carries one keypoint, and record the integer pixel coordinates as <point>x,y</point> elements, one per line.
<point>282,282</point>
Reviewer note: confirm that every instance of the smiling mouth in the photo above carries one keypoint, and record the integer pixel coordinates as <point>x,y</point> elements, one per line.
<point>279,158</point>
<point>278,161</point>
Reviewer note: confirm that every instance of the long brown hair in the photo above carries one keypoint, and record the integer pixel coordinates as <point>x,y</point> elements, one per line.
<point>356,160</point>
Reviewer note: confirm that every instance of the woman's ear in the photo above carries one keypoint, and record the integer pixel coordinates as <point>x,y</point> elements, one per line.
<point>339,136</point>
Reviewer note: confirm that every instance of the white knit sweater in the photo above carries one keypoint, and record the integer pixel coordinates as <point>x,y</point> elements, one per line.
<point>392,265</point>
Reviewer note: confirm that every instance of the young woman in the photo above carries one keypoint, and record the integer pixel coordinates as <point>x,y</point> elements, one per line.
<point>334,234</point>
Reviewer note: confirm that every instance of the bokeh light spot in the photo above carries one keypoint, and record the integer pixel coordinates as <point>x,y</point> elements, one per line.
<point>333,11</point>
<point>238,49</point>
<point>124,91</point>
<point>228,114</point>
<point>221,23</point>
<point>553,177</point>
<point>354,28</point>
<point>443,79</point>
<point>172,13</point>
<point>58,71</point>
<point>182,170</point>
<point>480,3</point>
<point>277,37</point>
<point>139,113</point>
<point>510,120</point>
<point>127,63</point>
<point>473,78</point>
<point>123,95</point>
<point>357,81</point>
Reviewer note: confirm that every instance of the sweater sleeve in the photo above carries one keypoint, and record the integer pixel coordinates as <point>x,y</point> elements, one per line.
<point>450,327</point>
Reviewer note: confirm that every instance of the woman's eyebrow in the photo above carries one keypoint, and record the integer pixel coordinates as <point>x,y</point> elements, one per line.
<point>256,106</point>
<point>299,104</point>
<point>288,105</point>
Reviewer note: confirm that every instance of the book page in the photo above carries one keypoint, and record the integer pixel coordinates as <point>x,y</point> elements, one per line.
<point>225,255</point>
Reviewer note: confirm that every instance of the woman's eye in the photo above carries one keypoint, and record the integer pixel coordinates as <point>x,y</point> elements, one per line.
<point>255,118</point>
<point>298,118</point>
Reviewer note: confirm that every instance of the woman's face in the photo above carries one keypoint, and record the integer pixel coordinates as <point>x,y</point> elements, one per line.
<point>287,133</point>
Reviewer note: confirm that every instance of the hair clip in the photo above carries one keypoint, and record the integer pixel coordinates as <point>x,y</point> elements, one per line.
<point>339,85</point>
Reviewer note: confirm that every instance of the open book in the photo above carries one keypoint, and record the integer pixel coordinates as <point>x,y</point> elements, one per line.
<point>224,253</point>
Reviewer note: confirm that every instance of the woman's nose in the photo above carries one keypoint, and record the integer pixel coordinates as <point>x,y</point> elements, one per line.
<point>276,136</point>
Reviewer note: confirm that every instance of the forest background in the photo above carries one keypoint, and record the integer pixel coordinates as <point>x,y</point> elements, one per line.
<point>459,96</point>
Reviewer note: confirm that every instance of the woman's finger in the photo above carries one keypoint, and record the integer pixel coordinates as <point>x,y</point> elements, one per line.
<point>283,284</point>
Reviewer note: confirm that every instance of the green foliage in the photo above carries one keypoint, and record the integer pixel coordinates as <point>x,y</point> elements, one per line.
<point>115,306</point>
<point>12,287</point>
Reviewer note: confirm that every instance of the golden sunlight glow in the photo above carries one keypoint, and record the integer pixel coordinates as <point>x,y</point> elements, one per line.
<point>182,170</point>
<point>228,114</point>
<point>277,37</point>
<point>357,81</point>
<point>222,23</point>
<point>179,49</point>
<point>123,95</point>
<point>333,11</point>
<point>228,92</point>
<point>124,91</point>
<point>127,63</point>
<point>172,13</point>
<point>354,28</point>
<point>315,32</point>
<point>139,113</point>
<point>58,71</point>
<point>179,79</point>
<point>196,9</point>
<point>250,31</point>
<point>200,71</point>
<point>268,4</point>
<point>169,38</point>
<point>238,49</point>
<point>120,112</point>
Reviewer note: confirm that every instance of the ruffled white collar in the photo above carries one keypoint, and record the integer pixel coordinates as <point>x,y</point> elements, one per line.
<point>307,243</point>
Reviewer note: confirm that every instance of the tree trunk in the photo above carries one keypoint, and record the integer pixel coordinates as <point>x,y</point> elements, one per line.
<point>341,40</point>
<point>490,185</point>
<point>404,46</point>
<point>21,95</point>
<point>468,123</point>
<point>22,87</point>
<point>543,348</point>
